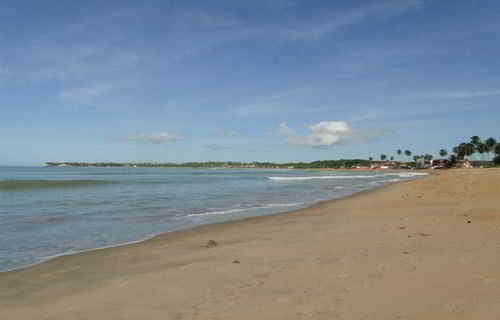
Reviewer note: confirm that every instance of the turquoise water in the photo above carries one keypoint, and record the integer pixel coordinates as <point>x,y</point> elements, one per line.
<point>46,212</point>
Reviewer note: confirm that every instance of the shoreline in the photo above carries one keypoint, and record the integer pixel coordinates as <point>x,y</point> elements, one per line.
<point>416,249</point>
<point>194,228</point>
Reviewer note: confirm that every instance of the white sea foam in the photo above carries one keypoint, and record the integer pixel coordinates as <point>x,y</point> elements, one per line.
<point>375,176</point>
<point>319,177</point>
<point>215,213</point>
<point>229,211</point>
<point>273,205</point>
<point>411,174</point>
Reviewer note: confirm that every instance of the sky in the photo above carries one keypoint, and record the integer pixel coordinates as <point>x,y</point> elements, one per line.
<point>261,80</point>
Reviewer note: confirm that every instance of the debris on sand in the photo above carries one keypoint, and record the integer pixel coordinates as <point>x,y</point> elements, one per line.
<point>423,234</point>
<point>211,244</point>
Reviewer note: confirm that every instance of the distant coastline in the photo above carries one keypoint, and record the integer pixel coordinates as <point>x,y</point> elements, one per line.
<point>325,164</point>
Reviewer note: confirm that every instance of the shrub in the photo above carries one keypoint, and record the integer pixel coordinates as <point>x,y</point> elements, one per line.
<point>496,161</point>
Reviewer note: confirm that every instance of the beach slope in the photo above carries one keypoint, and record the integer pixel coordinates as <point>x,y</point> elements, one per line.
<point>423,249</point>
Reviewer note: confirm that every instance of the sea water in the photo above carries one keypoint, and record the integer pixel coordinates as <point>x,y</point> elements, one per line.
<point>51,211</point>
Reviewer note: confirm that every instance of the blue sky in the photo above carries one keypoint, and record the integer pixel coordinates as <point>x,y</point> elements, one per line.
<point>282,80</point>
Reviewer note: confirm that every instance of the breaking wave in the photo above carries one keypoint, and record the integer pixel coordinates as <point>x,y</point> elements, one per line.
<point>229,211</point>
<point>320,177</point>
<point>375,176</point>
<point>411,174</point>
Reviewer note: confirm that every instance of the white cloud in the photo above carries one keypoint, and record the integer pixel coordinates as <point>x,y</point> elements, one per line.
<point>156,138</point>
<point>328,134</point>
<point>285,130</point>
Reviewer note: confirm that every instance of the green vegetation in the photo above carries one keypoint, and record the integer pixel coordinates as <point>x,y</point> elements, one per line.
<point>496,160</point>
<point>408,153</point>
<point>335,164</point>
<point>477,151</point>
<point>476,146</point>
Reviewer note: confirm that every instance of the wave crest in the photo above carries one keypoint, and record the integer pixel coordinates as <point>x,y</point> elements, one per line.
<point>375,176</point>
<point>229,211</point>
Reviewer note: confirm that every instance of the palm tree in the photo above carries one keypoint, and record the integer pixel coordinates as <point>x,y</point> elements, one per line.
<point>482,148</point>
<point>497,160</point>
<point>475,140</point>
<point>460,150</point>
<point>443,153</point>
<point>408,153</point>
<point>469,149</point>
<point>490,144</point>
<point>383,157</point>
<point>428,157</point>
<point>453,159</point>
<point>497,152</point>
<point>392,158</point>
<point>370,158</point>
<point>399,152</point>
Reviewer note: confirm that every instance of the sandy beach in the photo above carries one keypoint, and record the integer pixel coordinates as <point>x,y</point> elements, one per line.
<point>423,249</point>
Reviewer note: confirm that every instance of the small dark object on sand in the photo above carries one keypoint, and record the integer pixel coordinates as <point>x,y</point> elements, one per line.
<point>211,244</point>
<point>236,261</point>
<point>468,221</point>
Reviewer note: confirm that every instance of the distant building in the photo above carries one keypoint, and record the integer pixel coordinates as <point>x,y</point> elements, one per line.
<point>421,163</point>
<point>440,164</point>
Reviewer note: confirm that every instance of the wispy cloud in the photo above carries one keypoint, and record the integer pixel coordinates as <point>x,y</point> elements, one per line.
<point>461,94</point>
<point>235,148</point>
<point>285,130</point>
<point>367,116</point>
<point>101,54</point>
<point>284,101</point>
<point>385,9</point>
<point>86,94</point>
<point>231,133</point>
<point>156,138</point>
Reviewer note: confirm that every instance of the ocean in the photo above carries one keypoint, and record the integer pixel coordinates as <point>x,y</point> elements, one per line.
<point>51,211</point>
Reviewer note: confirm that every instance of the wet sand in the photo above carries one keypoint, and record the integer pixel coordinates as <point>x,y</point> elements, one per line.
<point>424,249</point>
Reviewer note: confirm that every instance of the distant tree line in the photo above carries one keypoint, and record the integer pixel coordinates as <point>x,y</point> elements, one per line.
<point>342,163</point>
<point>487,152</point>
<point>476,146</point>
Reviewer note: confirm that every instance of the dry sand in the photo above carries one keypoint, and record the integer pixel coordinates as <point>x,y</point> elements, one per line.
<point>425,249</point>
